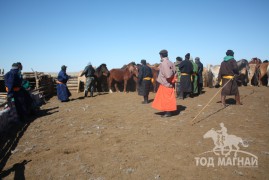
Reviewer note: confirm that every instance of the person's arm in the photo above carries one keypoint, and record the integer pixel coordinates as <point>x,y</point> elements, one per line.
<point>9,83</point>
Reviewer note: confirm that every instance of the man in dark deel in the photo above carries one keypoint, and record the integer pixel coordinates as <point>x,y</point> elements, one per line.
<point>89,74</point>
<point>62,90</point>
<point>227,74</point>
<point>144,80</point>
<point>16,94</point>
<point>178,61</point>
<point>200,74</point>
<point>186,69</point>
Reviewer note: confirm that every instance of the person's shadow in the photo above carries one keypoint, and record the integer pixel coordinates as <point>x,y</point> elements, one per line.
<point>174,113</point>
<point>9,138</point>
<point>180,108</point>
<point>18,170</point>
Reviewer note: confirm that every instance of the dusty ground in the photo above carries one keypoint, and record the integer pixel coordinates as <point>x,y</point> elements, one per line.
<point>114,136</point>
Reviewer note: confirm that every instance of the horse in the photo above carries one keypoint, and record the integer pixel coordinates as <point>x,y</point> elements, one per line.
<point>255,61</point>
<point>263,71</point>
<point>100,75</point>
<point>124,74</point>
<point>229,140</point>
<point>214,72</point>
<point>243,67</point>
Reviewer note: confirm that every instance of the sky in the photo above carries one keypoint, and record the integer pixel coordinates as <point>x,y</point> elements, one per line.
<point>45,34</point>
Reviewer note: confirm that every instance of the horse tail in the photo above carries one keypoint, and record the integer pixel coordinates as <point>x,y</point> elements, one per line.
<point>244,143</point>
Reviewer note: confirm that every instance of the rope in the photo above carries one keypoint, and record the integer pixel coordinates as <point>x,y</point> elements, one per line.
<point>209,102</point>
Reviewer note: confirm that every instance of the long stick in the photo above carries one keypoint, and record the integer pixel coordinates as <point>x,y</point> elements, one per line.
<point>210,101</point>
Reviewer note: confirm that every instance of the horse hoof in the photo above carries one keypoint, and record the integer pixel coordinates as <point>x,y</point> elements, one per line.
<point>110,91</point>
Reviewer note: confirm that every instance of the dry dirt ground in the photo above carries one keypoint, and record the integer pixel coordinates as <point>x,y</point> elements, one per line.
<point>114,136</point>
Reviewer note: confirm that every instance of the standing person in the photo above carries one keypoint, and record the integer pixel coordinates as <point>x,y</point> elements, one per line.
<point>17,96</point>
<point>227,74</point>
<point>165,99</point>
<point>63,92</point>
<point>178,88</point>
<point>194,77</point>
<point>185,68</point>
<point>200,74</point>
<point>144,80</point>
<point>89,74</point>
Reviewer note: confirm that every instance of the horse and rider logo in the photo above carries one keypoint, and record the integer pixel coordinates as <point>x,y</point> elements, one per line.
<point>224,141</point>
<point>224,145</point>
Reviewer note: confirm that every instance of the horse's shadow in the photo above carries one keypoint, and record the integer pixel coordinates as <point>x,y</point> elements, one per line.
<point>9,139</point>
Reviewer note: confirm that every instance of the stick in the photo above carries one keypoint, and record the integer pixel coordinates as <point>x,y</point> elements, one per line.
<point>209,102</point>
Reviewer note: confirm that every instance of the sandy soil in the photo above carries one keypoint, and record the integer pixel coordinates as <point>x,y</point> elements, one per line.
<point>114,136</point>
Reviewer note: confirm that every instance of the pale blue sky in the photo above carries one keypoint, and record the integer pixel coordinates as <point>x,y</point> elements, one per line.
<point>45,34</point>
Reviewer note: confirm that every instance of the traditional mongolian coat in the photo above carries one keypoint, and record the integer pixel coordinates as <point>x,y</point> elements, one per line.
<point>165,99</point>
<point>63,92</point>
<point>144,79</point>
<point>227,72</point>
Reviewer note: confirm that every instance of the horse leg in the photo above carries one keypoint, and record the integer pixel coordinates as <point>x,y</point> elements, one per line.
<point>237,148</point>
<point>230,149</point>
<point>116,87</point>
<point>125,84</point>
<point>109,85</point>
<point>214,151</point>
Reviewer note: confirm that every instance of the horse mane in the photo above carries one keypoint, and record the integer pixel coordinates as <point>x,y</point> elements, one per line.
<point>125,66</point>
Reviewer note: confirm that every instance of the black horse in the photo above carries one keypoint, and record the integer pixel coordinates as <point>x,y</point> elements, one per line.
<point>101,74</point>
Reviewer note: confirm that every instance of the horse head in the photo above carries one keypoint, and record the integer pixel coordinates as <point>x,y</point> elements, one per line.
<point>243,63</point>
<point>102,70</point>
<point>210,134</point>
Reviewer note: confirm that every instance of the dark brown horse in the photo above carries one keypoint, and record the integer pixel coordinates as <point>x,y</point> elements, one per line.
<point>118,75</point>
<point>100,76</point>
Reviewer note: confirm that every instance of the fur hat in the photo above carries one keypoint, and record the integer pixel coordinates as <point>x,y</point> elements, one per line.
<point>230,53</point>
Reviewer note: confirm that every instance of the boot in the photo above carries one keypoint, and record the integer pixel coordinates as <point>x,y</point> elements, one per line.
<point>223,100</point>
<point>237,99</point>
<point>85,93</point>
<point>145,100</point>
<point>167,114</point>
<point>92,88</point>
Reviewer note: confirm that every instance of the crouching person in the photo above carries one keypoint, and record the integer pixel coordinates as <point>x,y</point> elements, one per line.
<point>17,96</point>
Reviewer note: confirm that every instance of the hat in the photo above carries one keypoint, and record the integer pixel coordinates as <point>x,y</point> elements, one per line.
<point>230,53</point>
<point>15,65</point>
<point>143,61</point>
<point>197,59</point>
<point>187,56</point>
<point>63,67</point>
<point>163,53</point>
<point>179,59</point>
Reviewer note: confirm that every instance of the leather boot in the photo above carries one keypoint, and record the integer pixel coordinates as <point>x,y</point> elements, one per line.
<point>85,93</point>
<point>237,99</point>
<point>223,101</point>
<point>167,114</point>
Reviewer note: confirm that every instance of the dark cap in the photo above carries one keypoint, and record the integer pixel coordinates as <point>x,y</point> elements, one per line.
<point>143,61</point>
<point>187,56</point>
<point>63,67</point>
<point>230,53</point>
<point>163,51</point>
<point>179,59</point>
<point>15,65</point>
